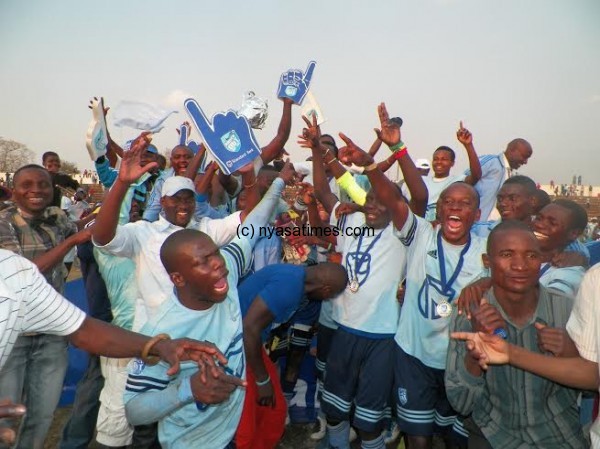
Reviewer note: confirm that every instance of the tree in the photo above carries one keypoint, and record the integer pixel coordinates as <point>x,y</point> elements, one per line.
<point>70,168</point>
<point>14,155</point>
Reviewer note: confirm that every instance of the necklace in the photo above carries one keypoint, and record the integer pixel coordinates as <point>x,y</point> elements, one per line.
<point>444,308</point>
<point>354,285</point>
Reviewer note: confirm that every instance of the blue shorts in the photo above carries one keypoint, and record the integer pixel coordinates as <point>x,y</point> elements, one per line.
<point>422,407</point>
<point>324,337</point>
<point>302,324</point>
<point>359,376</point>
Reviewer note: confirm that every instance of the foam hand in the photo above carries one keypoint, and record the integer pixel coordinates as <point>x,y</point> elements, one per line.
<point>97,135</point>
<point>228,137</point>
<point>294,84</point>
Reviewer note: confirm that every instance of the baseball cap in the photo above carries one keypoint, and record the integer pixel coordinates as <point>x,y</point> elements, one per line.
<point>175,184</point>
<point>422,163</point>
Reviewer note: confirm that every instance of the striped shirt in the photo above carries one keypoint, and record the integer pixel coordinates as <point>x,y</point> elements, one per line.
<point>514,408</point>
<point>29,304</point>
<point>32,237</point>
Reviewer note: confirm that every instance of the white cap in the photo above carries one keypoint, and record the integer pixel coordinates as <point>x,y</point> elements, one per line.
<point>176,183</point>
<point>422,163</point>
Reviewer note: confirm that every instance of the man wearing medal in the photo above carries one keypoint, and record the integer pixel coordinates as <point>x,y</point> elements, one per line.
<point>441,259</point>
<point>358,374</point>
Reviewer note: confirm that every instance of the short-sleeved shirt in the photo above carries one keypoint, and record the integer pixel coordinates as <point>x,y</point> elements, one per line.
<point>32,237</point>
<point>280,286</point>
<point>422,332</point>
<point>494,171</point>
<point>193,424</point>
<point>566,280</point>
<point>376,260</point>
<point>584,330</point>
<point>29,304</point>
<point>141,241</point>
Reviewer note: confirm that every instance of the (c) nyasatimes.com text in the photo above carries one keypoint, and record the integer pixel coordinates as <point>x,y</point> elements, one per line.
<point>304,231</point>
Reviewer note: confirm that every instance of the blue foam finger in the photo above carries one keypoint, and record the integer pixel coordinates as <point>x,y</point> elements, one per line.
<point>228,136</point>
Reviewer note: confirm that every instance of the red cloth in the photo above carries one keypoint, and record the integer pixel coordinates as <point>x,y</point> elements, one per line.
<point>261,427</point>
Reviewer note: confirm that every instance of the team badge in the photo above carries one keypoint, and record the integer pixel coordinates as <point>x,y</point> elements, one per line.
<point>138,366</point>
<point>403,395</point>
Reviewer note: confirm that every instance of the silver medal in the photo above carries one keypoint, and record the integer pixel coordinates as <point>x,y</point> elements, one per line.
<point>354,286</point>
<point>444,309</point>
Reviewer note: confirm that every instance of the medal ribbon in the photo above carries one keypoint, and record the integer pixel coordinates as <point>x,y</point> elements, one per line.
<point>447,283</point>
<point>358,263</point>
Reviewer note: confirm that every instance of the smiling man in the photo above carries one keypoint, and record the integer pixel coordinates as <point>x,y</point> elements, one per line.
<point>42,233</point>
<point>141,241</point>
<point>509,407</point>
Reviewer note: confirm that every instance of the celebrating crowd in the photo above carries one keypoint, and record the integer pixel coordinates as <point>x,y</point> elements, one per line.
<point>462,309</point>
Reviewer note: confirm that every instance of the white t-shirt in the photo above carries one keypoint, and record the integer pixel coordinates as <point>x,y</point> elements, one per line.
<point>29,304</point>
<point>584,330</point>
<point>141,241</point>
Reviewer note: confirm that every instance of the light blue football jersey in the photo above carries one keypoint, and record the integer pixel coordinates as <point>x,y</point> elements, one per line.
<point>151,394</point>
<point>377,262</point>
<point>422,332</point>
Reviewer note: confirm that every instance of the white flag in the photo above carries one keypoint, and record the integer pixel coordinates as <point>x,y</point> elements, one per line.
<point>138,115</point>
<point>310,107</point>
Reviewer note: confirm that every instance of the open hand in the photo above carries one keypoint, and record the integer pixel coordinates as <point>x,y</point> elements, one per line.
<point>390,129</point>
<point>131,168</point>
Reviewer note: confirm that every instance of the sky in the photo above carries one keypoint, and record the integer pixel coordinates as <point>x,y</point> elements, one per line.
<point>516,68</point>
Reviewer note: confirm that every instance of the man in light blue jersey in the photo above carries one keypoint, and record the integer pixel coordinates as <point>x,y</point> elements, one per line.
<point>367,312</point>
<point>495,169</point>
<point>440,261</point>
<point>205,303</point>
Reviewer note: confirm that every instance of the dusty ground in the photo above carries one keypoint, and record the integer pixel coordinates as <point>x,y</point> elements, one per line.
<point>297,436</point>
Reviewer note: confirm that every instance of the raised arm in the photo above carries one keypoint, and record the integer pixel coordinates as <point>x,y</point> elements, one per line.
<point>108,217</point>
<point>273,148</point>
<point>465,137</point>
<point>192,169</point>
<point>311,138</point>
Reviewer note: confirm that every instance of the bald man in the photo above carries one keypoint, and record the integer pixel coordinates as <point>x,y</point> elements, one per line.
<point>273,295</point>
<point>495,169</point>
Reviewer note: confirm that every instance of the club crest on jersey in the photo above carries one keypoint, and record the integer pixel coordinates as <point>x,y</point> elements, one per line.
<point>138,366</point>
<point>433,253</point>
<point>431,295</point>
<point>402,396</point>
<point>359,262</point>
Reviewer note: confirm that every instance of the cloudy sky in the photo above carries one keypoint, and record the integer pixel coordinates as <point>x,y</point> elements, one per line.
<point>508,69</point>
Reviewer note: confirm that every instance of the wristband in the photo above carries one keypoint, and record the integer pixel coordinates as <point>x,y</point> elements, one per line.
<point>398,154</point>
<point>399,146</point>
<point>148,359</point>
<point>371,167</point>
<point>247,186</point>
<point>262,383</point>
